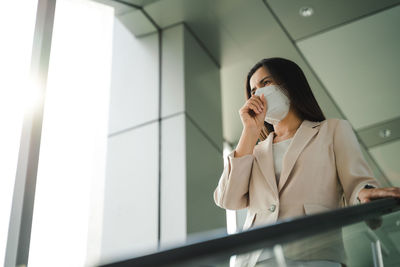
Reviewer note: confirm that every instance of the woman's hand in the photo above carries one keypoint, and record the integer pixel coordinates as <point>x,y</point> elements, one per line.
<point>253,113</point>
<point>366,195</point>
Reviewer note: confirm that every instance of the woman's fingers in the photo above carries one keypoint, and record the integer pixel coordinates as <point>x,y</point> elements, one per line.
<point>257,101</point>
<point>386,192</point>
<point>254,107</point>
<point>366,195</point>
<point>254,102</point>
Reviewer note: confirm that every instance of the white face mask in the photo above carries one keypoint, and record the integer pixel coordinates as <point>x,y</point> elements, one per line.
<point>277,103</point>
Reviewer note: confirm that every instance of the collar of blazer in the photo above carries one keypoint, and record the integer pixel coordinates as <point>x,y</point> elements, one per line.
<point>264,157</point>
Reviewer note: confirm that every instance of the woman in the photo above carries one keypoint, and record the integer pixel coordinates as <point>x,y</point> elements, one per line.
<point>302,164</point>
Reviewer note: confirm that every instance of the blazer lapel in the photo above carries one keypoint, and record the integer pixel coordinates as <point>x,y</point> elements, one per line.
<point>301,138</point>
<point>264,158</point>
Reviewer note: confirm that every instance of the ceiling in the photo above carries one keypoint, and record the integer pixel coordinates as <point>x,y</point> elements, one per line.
<point>363,63</point>
<point>348,50</point>
<point>327,14</point>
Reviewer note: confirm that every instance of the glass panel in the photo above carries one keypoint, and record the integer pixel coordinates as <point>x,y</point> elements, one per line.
<point>359,244</point>
<point>15,54</point>
<point>351,245</point>
<point>71,168</point>
<point>98,166</point>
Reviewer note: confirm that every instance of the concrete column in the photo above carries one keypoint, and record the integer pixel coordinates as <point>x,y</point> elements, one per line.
<point>137,217</point>
<point>191,137</point>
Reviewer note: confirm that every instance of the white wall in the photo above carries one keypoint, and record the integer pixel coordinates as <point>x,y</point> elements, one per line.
<point>135,79</point>
<point>173,81</point>
<point>130,219</point>
<point>130,216</point>
<point>173,183</point>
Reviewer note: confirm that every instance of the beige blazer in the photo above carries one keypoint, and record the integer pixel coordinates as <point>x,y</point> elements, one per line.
<point>323,169</point>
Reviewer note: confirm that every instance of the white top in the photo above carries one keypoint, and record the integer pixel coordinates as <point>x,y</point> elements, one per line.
<point>279,149</point>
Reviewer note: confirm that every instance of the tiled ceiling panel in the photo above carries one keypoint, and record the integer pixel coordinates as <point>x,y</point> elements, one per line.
<point>359,65</point>
<point>327,13</point>
<point>387,157</point>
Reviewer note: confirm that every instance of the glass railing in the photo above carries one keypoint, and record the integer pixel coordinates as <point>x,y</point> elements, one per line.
<point>362,235</point>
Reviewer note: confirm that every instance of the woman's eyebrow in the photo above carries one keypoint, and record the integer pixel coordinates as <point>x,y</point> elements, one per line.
<point>264,79</point>
<point>261,81</point>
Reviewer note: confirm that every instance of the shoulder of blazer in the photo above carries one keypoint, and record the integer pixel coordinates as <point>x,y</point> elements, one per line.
<point>315,124</point>
<point>331,122</point>
<point>311,124</point>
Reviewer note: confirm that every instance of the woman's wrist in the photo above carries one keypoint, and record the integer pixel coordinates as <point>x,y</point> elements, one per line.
<point>247,142</point>
<point>252,130</point>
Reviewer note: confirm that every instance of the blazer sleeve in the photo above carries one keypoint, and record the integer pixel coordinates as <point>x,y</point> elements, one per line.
<point>353,171</point>
<point>233,186</point>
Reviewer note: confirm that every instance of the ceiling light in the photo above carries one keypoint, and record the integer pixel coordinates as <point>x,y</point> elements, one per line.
<point>306,11</point>
<point>385,133</point>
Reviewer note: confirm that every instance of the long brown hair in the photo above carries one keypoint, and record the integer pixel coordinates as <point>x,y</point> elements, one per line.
<point>293,83</point>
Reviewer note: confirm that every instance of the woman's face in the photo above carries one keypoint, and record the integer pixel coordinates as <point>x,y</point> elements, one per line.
<point>260,78</point>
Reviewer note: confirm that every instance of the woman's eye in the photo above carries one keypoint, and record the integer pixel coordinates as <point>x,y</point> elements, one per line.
<point>265,82</point>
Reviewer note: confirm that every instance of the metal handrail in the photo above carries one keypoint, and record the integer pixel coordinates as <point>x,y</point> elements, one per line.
<point>222,246</point>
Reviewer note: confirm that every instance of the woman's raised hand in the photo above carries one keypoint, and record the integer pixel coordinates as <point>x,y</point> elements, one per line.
<point>253,113</point>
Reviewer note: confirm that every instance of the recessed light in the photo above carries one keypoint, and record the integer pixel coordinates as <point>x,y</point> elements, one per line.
<point>385,133</point>
<point>306,11</point>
